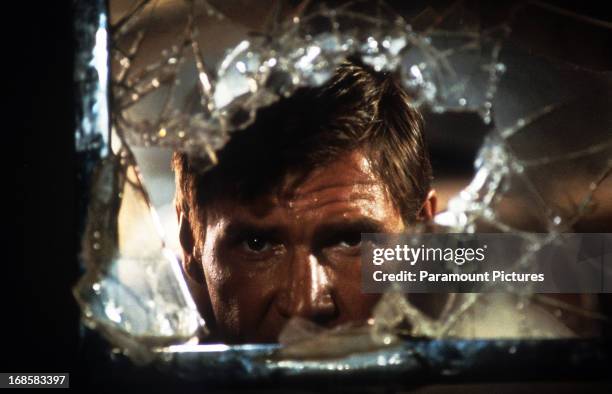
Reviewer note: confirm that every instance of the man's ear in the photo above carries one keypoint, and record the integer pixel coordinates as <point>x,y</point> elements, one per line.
<point>428,210</point>
<point>194,272</point>
<point>191,264</point>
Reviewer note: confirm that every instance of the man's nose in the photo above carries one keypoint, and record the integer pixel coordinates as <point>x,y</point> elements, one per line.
<point>308,292</point>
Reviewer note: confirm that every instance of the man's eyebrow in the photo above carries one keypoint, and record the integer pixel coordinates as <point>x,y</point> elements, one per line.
<point>358,225</point>
<point>240,227</point>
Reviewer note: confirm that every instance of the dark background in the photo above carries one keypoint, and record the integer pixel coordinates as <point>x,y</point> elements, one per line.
<point>39,316</point>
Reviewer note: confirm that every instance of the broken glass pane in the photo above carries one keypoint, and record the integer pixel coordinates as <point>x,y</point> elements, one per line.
<point>186,75</point>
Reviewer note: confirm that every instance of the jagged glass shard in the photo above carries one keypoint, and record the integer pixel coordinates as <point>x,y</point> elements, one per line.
<point>235,75</point>
<point>91,77</point>
<point>454,71</point>
<point>161,80</point>
<point>393,311</point>
<point>303,339</point>
<point>497,317</point>
<point>134,291</point>
<point>313,63</point>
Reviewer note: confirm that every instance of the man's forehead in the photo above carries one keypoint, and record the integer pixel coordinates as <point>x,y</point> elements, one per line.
<point>346,182</point>
<point>347,170</point>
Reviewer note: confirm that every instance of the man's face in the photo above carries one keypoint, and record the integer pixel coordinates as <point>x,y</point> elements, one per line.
<point>294,252</point>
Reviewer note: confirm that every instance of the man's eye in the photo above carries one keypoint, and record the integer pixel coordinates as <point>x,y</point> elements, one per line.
<point>256,244</point>
<point>350,240</point>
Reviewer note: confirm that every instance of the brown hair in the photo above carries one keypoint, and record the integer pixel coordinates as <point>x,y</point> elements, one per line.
<point>356,109</point>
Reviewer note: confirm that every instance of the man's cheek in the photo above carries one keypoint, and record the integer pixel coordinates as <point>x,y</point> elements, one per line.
<point>353,304</point>
<point>243,297</point>
<point>250,289</point>
<point>227,311</point>
<point>349,272</point>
